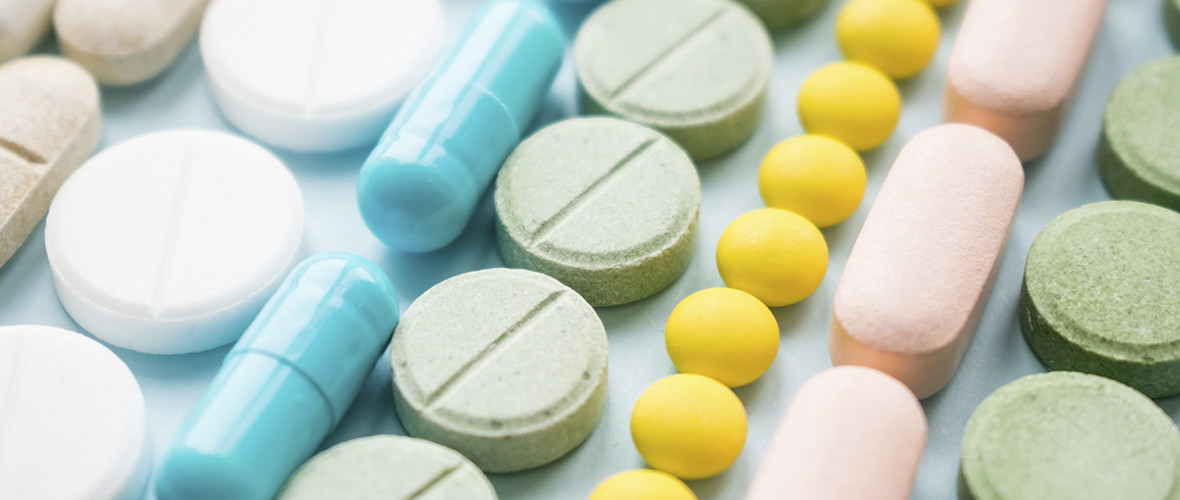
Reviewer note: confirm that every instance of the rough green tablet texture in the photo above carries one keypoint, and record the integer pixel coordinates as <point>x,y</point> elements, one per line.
<point>388,467</point>
<point>1102,294</point>
<point>1172,17</point>
<point>1069,436</point>
<point>698,70</point>
<point>1140,151</point>
<point>606,206</point>
<point>506,366</point>
<point>779,14</point>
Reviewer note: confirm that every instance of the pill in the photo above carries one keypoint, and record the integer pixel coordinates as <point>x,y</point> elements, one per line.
<point>849,432</point>
<point>1068,435</point>
<point>617,222</point>
<point>1138,156</point>
<point>897,36</point>
<point>1011,75</point>
<point>49,124</point>
<point>923,266</point>
<point>815,176</point>
<point>1102,294</point>
<point>697,70</point>
<point>780,14</point>
<point>74,419</point>
<point>285,384</point>
<point>1172,20</point>
<point>317,75</point>
<point>170,242</point>
<point>642,484</point>
<point>506,366</point>
<point>688,425</point>
<point>23,23</point>
<point>388,466</point>
<point>722,333</point>
<point>122,42</point>
<point>851,102</point>
<point>775,255</point>
<point>420,185</point>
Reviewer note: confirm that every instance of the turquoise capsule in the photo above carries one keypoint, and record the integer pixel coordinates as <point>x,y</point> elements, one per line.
<point>419,187</point>
<point>286,383</point>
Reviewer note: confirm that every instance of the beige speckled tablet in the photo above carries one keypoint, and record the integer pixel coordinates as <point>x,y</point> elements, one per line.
<point>506,366</point>
<point>388,467</point>
<point>126,41</point>
<point>922,269</point>
<point>850,432</point>
<point>1015,64</point>
<point>49,124</point>
<point>697,70</point>
<point>23,23</point>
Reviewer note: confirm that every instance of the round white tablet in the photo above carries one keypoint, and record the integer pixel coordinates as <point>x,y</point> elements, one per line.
<point>171,242</point>
<point>317,75</point>
<point>72,418</point>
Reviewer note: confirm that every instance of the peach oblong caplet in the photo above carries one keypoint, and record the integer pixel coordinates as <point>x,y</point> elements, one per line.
<point>923,266</point>
<point>850,432</point>
<point>1015,64</point>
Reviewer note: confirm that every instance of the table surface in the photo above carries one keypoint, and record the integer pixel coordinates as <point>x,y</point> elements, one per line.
<point>1067,177</point>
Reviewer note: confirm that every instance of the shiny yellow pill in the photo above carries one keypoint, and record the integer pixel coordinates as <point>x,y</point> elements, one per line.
<point>817,177</point>
<point>775,255</point>
<point>851,102</point>
<point>899,37</point>
<point>690,426</point>
<point>722,333</point>
<point>642,484</point>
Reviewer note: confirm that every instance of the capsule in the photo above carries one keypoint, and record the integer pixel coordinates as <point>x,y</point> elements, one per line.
<point>285,384</point>
<point>419,187</point>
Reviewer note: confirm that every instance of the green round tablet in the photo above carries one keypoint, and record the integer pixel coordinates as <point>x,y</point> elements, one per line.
<point>697,70</point>
<point>1069,436</point>
<point>1102,294</point>
<point>1140,156</point>
<point>779,14</point>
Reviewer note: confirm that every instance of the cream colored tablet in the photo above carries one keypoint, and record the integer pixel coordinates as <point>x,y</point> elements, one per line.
<point>1015,64</point>
<point>49,124</point>
<point>23,23</point>
<point>924,263</point>
<point>850,432</point>
<point>125,41</point>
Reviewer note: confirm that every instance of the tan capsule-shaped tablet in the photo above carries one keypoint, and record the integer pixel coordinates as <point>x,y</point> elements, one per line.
<point>923,266</point>
<point>49,124</point>
<point>123,42</point>
<point>1015,64</point>
<point>850,432</point>
<point>23,23</point>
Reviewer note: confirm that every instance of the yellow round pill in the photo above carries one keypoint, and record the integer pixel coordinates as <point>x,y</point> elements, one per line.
<point>722,333</point>
<point>897,36</point>
<point>642,484</point>
<point>852,102</point>
<point>690,426</point>
<point>775,255</point>
<point>817,177</point>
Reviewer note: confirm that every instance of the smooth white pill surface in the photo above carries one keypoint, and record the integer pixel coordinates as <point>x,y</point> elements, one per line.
<point>170,242</point>
<point>72,418</point>
<point>317,75</point>
<point>22,24</point>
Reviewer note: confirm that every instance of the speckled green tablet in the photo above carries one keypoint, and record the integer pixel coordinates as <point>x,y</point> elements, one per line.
<point>697,70</point>
<point>1140,153</point>
<point>606,206</point>
<point>506,366</point>
<point>1102,294</point>
<point>1069,436</point>
<point>779,14</point>
<point>388,467</point>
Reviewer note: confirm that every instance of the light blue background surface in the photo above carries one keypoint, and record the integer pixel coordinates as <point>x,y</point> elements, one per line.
<point>1067,177</point>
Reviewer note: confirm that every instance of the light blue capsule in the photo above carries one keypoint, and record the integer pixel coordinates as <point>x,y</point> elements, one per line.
<point>286,383</point>
<point>419,187</point>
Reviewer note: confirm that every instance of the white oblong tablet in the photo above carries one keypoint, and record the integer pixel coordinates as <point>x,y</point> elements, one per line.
<point>317,75</point>
<point>72,418</point>
<point>22,24</point>
<point>170,242</point>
